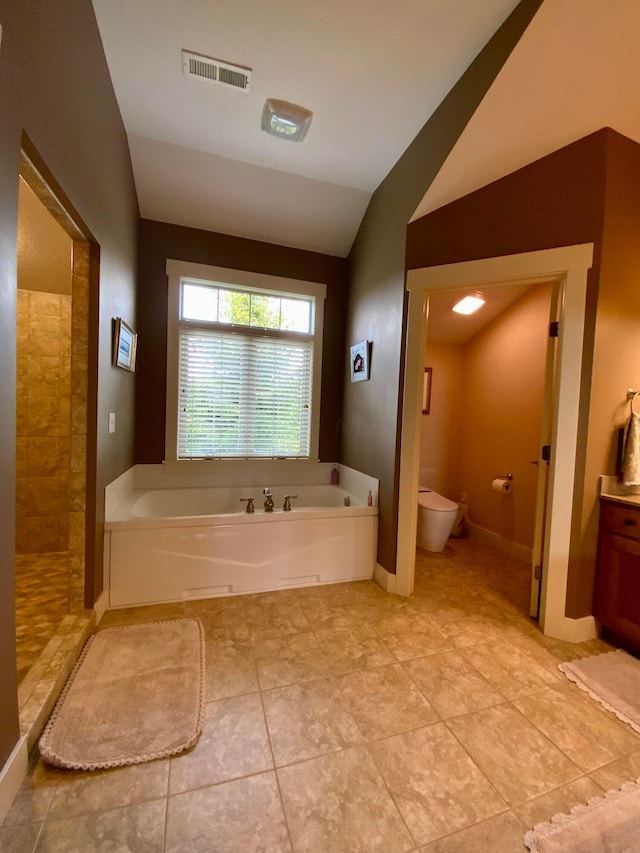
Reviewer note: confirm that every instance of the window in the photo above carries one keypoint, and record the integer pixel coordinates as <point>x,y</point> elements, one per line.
<point>243,365</point>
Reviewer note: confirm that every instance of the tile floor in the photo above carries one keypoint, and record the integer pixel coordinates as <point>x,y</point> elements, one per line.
<point>344,719</point>
<point>42,602</point>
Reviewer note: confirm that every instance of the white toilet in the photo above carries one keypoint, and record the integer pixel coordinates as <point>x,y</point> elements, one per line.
<point>436,517</point>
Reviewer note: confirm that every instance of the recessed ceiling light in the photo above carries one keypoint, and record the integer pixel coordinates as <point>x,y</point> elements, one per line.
<point>285,120</point>
<point>468,305</point>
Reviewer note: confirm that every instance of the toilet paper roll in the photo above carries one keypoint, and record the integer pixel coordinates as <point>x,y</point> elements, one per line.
<point>501,484</point>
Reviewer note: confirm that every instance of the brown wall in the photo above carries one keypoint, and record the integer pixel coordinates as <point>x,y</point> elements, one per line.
<point>55,86</point>
<point>159,241</point>
<point>371,423</point>
<point>616,352</point>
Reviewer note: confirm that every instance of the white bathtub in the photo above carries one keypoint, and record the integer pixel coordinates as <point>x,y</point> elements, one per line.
<point>175,544</point>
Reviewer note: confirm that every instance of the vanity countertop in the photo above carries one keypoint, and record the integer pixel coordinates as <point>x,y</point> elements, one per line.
<point>630,500</point>
<point>612,490</point>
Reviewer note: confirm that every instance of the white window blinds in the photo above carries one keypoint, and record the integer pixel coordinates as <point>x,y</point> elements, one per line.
<point>243,395</point>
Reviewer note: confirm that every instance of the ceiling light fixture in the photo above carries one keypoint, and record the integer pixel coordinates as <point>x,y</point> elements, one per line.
<point>285,120</point>
<point>469,304</point>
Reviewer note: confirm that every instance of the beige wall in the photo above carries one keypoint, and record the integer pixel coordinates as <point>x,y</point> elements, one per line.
<point>486,415</point>
<point>503,403</point>
<point>441,429</point>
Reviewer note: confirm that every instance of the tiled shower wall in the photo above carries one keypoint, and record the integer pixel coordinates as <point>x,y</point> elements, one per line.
<point>43,422</point>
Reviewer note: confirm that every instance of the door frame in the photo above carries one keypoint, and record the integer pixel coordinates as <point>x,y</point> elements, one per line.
<point>568,266</point>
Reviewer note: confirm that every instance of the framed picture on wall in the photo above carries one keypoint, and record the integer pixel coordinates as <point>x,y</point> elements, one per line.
<point>360,361</point>
<point>125,345</point>
<point>426,391</point>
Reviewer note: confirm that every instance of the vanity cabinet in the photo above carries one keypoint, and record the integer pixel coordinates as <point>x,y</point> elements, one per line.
<point>617,599</point>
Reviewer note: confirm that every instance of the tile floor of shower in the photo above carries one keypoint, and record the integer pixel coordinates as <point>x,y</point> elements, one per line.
<point>341,718</point>
<point>42,602</point>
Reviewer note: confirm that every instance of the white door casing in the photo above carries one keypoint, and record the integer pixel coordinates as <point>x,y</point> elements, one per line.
<point>568,266</point>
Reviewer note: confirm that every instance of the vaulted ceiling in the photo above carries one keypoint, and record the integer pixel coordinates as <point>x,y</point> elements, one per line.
<point>372,73</point>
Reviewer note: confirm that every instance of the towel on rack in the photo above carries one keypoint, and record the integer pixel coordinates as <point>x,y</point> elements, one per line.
<point>631,451</point>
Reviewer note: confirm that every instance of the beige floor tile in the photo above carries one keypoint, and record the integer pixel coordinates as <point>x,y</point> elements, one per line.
<point>210,607</point>
<point>510,750</point>
<point>309,719</point>
<point>339,803</point>
<point>615,774</point>
<point>245,815</point>
<point>332,613</point>
<point>353,647</point>
<point>451,684</point>
<point>411,636</point>
<point>230,670</point>
<point>225,625</point>
<point>560,801</point>
<point>29,806</point>
<point>289,660</point>
<point>509,669</point>
<point>501,834</point>
<point>36,793</point>
<point>384,701</point>
<point>82,793</point>
<point>577,726</point>
<point>274,618</point>
<point>436,786</point>
<point>224,793</point>
<point>233,743</point>
<point>464,629</point>
<point>19,839</point>
<point>139,827</point>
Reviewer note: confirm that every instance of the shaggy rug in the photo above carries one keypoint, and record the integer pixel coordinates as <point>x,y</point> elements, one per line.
<point>609,824</point>
<point>613,680</point>
<point>136,694</point>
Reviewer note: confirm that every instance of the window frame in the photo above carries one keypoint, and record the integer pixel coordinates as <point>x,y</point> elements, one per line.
<point>177,271</point>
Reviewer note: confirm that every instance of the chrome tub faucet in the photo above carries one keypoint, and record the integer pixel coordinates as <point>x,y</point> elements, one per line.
<point>268,500</point>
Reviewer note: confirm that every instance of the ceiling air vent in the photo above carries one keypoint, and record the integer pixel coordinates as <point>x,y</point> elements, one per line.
<point>215,70</point>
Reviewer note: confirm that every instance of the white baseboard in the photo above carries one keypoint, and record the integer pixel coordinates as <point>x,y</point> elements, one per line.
<point>101,605</point>
<point>494,540</point>
<point>573,630</point>
<point>12,776</point>
<point>386,580</point>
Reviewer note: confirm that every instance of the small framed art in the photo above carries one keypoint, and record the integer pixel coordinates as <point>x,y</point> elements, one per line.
<point>360,361</point>
<point>426,391</point>
<point>125,345</point>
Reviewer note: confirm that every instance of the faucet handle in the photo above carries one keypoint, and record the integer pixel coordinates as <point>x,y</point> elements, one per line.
<point>249,502</point>
<point>287,502</point>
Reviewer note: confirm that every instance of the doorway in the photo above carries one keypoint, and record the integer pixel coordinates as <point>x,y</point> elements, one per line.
<point>487,373</point>
<point>52,406</point>
<point>568,267</point>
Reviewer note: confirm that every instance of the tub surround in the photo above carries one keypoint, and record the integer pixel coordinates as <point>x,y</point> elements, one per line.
<point>171,537</point>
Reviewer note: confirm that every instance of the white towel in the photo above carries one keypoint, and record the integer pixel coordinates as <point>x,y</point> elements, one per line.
<point>631,454</point>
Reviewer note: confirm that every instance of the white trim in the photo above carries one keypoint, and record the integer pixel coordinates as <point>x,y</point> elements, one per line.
<point>12,776</point>
<point>569,266</point>
<point>102,604</point>
<point>575,630</point>
<point>386,580</point>
<point>177,270</point>
<point>494,540</point>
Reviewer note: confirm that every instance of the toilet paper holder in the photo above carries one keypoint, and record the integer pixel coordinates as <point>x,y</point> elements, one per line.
<point>503,477</point>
